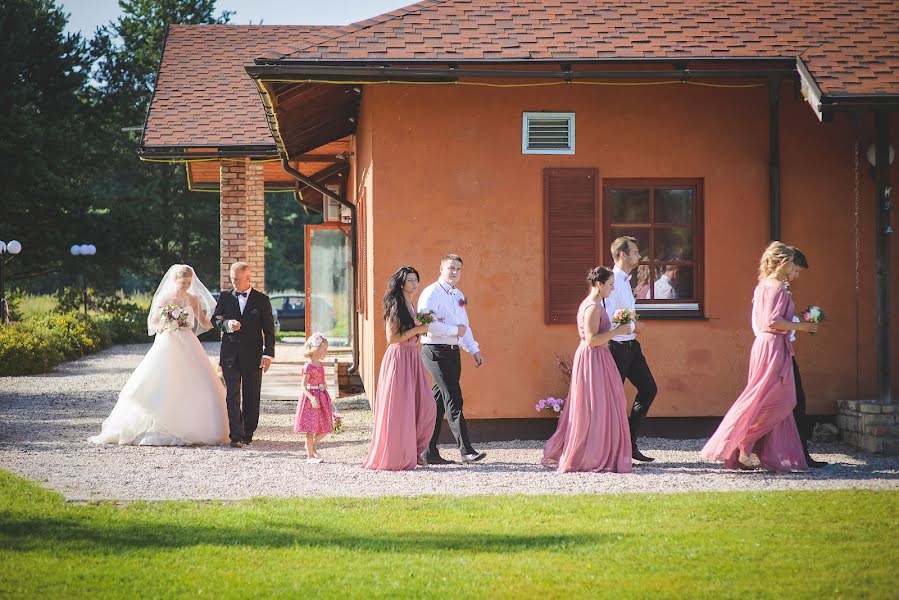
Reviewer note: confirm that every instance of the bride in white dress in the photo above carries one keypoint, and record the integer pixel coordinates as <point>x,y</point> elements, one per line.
<point>174,396</point>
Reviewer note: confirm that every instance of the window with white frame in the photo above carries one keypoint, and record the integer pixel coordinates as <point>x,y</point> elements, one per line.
<point>547,133</point>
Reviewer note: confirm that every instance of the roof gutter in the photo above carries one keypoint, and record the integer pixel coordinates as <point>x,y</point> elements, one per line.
<point>299,72</point>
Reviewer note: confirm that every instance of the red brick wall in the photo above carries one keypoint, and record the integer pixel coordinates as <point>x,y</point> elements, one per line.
<point>242,220</point>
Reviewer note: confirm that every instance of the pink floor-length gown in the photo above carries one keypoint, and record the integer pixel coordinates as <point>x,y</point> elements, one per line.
<point>761,420</point>
<point>404,410</point>
<point>593,433</point>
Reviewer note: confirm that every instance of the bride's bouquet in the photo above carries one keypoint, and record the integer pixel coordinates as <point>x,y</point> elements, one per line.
<point>623,316</point>
<point>174,317</point>
<point>813,314</point>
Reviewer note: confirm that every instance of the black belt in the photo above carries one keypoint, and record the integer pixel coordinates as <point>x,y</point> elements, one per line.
<point>446,346</point>
<point>625,342</point>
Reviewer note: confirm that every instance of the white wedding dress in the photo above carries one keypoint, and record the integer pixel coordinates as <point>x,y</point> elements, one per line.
<point>174,397</point>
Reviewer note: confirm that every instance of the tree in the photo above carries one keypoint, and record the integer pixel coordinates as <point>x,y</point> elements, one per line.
<point>47,144</point>
<point>153,219</point>
<point>284,242</point>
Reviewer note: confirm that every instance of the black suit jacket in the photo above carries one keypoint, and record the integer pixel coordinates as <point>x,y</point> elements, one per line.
<point>257,329</point>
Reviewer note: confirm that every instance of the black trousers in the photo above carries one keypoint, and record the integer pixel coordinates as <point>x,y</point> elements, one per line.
<point>803,423</point>
<point>444,363</point>
<point>632,365</point>
<point>244,391</point>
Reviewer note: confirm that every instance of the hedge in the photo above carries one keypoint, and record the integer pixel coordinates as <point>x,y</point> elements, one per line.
<point>37,344</point>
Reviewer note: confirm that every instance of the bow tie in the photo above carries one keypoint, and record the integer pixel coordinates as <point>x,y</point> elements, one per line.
<point>244,294</point>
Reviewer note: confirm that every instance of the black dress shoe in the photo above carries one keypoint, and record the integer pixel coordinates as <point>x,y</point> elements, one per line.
<point>473,457</point>
<point>438,460</point>
<point>637,455</point>
<point>814,464</point>
<point>236,444</point>
<point>247,441</point>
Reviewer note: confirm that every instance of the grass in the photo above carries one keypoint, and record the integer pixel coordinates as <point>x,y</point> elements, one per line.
<point>736,545</point>
<point>31,305</point>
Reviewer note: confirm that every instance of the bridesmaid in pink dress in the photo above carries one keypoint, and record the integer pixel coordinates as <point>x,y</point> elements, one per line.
<point>593,433</point>
<point>404,406</point>
<point>759,429</point>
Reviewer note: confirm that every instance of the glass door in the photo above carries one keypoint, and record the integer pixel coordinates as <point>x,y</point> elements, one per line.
<point>329,283</point>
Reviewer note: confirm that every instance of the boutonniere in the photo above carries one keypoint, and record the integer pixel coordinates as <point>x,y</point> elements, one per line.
<point>463,302</point>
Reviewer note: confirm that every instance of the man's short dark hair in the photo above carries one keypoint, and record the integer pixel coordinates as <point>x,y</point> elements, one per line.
<point>799,258</point>
<point>451,257</point>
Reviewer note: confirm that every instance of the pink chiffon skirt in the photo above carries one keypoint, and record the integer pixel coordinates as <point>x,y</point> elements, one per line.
<point>405,411</point>
<point>593,433</point>
<point>761,420</point>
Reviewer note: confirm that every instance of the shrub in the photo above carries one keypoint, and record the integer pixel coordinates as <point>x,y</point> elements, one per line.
<point>121,329</point>
<point>22,352</point>
<point>71,334</point>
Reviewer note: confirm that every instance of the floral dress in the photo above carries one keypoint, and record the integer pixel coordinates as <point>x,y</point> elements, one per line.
<point>308,418</point>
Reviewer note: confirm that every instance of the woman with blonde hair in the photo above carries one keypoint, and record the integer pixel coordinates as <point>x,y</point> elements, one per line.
<point>759,429</point>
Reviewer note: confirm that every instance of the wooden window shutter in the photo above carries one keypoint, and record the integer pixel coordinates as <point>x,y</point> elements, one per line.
<point>570,243</point>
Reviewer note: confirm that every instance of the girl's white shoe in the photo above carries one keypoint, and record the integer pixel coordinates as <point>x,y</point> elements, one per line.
<point>314,459</point>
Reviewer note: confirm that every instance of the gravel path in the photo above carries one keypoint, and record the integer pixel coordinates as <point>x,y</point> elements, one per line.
<point>45,419</point>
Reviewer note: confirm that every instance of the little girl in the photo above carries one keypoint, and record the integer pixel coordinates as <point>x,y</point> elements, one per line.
<point>315,413</point>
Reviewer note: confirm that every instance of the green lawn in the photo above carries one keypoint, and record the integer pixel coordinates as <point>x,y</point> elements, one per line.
<point>738,545</point>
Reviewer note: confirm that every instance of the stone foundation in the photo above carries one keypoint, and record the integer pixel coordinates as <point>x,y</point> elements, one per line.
<point>869,425</point>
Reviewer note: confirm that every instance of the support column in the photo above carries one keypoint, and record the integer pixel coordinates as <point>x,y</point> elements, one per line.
<point>774,154</point>
<point>242,220</point>
<point>882,208</point>
<point>256,223</point>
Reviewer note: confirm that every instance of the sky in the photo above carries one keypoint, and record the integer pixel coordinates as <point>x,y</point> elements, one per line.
<point>86,15</point>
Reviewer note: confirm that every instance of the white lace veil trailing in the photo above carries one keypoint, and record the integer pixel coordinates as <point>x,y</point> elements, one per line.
<point>169,289</point>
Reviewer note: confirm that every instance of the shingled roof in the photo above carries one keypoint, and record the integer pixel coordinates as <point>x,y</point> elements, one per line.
<point>203,97</point>
<point>848,46</point>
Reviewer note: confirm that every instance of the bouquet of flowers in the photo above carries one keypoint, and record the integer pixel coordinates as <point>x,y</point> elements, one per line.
<point>623,316</point>
<point>550,404</point>
<point>338,423</point>
<point>426,317</point>
<point>175,317</point>
<point>813,314</point>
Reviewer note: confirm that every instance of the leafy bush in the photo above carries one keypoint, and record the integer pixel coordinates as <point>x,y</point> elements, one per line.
<point>120,329</point>
<point>22,352</point>
<point>71,334</point>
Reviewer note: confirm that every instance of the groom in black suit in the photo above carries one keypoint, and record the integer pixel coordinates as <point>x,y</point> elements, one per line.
<point>244,316</point>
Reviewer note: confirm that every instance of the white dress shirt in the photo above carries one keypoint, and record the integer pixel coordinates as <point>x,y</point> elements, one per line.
<point>663,288</point>
<point>242,301</point>
<point>443,300</point>
<point>622,297</point>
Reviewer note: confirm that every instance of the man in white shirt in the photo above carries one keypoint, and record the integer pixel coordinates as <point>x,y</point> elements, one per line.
<point>663,288</point>
<point>625,348</point>
<point>440,353</point>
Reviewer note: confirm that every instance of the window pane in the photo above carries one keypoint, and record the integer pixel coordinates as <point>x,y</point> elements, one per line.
<point>672,282</point>
<point>675,243</point>
<point>673,206</point>
<point>642,236</point>
<point>630,206</point>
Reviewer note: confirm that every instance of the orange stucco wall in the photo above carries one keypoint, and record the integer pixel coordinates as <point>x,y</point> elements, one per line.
<point>451,178</point>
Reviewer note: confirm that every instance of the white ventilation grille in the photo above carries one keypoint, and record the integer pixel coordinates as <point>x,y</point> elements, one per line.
<point>547,133</point>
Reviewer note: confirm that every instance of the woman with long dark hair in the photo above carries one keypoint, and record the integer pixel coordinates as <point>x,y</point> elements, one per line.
<point>593,433</point>
<point>404,407</point>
